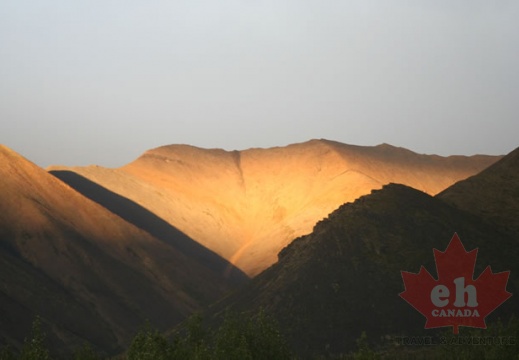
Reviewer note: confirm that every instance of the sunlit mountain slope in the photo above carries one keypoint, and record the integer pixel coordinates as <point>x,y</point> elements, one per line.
<point>247,205</point>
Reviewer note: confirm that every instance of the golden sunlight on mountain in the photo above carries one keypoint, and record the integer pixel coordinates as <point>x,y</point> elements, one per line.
<point>247,205</point>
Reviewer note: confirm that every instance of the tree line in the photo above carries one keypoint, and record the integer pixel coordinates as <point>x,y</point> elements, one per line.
<point>242,337</point>
<point>238,337</point>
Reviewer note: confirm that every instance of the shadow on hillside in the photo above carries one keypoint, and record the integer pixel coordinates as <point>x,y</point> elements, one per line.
<point>151,223</point>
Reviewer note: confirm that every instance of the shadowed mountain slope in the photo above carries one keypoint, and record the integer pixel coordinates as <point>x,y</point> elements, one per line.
<point>155,226</point>
<point>87,272</point>
<point>493,194</point>
<point>247,205</point>
<point>344,277</point>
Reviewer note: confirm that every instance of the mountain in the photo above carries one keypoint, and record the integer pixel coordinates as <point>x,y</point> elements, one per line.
<point>89,274</point>
<point>493,194</point>
<point>247,205</point>
<point>96,251</point>
<point>344,278</point>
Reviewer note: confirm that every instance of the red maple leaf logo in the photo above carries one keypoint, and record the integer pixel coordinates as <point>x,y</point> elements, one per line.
<point>455,299</point>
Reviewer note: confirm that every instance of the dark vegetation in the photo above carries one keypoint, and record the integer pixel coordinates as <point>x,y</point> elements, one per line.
<point>237,337</point>
<point>498,341</point>
<point>241,338</point>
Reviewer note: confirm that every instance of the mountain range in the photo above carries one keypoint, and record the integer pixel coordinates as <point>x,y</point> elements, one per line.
<point>247,205</point>
<point>181,228</point>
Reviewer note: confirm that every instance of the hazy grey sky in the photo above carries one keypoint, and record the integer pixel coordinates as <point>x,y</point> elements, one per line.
<point>99,82</point>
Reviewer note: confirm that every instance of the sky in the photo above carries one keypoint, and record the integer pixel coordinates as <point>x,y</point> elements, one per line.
<point>99,82</point>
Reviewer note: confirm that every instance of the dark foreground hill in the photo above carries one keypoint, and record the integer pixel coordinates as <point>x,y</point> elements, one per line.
<point>344,278</point>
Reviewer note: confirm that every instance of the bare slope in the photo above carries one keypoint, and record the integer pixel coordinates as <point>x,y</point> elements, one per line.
<point>89,274</point>
<point>247,205</point>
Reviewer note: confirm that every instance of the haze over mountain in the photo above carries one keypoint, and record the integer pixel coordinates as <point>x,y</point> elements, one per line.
<point>344,277</point>
<point>247,205</point>
<point>89,274</point>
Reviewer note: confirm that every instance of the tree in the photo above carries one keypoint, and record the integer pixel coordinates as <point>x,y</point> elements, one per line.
<point>194,344</point>
<point>6,353</point>
<point>34,348</point>
<point>364,351</point>
<point>86,353</point>
<point>264,339</point>
<point>149,344</point>
<point>231,339</point>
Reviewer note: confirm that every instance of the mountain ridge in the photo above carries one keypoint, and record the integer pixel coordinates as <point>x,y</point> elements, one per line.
<point>253,202</point>
<point>499,202</point>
